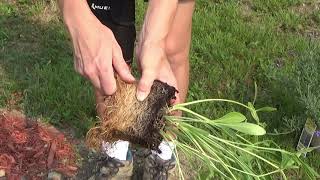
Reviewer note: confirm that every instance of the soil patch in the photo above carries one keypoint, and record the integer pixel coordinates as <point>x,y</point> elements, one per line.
<point>310,10</point>
<point>306,8</point>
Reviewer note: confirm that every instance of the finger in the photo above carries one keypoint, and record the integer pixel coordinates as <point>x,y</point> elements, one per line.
<point>100,105</point>
<point>77,68</point>
<point>168,77</point>
<point>171,81</point>
<point>77,62</point>
<point>120,65</point>
<point>107,79</point>
<point>91,74</point>
<point>138,53</point>
<point>145,83</point>
<point>176,100</point>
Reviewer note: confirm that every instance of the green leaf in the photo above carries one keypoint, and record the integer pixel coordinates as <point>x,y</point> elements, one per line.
<point>246,128</point>
<point>287,161</point>
<point>253,112</point>
<point>255,92</point>
<point>266,109</point>
<point>232,117</point>
<point>310,172</point>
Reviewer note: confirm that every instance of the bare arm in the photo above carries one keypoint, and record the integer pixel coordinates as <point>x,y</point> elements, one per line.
<point>158,20</point>
<point>73,12</point>
<point>151,48</point>
<point>96,52</point>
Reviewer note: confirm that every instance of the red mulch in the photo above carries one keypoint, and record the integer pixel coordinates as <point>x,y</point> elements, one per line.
<point>31,149</point>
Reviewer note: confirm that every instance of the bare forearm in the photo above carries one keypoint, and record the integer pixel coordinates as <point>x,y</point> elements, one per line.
<point>97,55</point>
<point>158,20</point>
<point>76,13</point>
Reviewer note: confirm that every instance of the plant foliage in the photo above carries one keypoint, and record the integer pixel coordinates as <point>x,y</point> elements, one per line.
<point>228,147</point>
<point>307,82</point>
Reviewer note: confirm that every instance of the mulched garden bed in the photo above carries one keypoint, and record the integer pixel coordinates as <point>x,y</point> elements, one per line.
<point>31,149</point>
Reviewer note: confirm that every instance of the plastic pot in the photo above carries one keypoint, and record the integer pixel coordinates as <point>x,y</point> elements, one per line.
<point>316,140</point>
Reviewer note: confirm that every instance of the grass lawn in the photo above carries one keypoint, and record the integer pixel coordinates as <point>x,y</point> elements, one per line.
<point>235,44</point>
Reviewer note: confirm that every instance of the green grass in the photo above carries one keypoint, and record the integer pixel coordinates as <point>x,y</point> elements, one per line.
<point>235,43</point>
<point>36,60</point>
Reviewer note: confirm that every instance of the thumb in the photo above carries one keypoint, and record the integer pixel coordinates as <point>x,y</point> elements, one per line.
<point>145,83</point>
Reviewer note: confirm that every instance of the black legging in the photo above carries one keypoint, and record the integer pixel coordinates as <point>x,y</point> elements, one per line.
<point>119,16</point>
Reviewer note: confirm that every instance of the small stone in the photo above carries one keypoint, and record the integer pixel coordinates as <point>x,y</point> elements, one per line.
<point>103,170</point>
<point>92,178</point>
<point>2,173</point>
<point>54,176</point>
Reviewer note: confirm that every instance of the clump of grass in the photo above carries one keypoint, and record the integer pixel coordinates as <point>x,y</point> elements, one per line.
<point>306,79</point>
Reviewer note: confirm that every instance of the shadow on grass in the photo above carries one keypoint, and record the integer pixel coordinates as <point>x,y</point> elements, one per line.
<point>36,62</point>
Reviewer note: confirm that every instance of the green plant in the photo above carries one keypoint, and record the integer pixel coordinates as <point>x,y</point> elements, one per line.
<point>307,82</point>
<point>220,145</point>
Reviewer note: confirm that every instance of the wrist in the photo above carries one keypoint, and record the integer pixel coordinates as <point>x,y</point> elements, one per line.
<point>153,49</point>
<point>152,43</point>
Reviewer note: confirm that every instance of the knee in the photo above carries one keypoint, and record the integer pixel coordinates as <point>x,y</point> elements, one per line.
<point>177,54</point>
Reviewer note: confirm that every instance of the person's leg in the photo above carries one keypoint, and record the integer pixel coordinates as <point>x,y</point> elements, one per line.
<point>178,45</point>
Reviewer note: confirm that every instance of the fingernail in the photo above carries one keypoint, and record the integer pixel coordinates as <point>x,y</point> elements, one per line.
<point>141,95</point>
<point>132,77</point>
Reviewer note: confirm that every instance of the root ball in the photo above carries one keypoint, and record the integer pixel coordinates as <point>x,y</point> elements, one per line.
<point>126,118</point>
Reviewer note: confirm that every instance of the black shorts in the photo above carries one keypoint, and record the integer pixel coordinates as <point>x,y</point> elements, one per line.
<point>119,16</point>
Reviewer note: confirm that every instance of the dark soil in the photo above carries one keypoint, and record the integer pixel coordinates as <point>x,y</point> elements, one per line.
<point>92,162</point>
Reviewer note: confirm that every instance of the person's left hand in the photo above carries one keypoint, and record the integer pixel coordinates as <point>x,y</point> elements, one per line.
<point>153,64</point>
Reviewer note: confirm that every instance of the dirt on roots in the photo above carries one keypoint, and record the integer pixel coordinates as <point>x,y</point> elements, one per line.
<point>126,118</point>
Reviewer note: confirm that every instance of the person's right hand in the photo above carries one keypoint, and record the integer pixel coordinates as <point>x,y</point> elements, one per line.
<point>97,55</point>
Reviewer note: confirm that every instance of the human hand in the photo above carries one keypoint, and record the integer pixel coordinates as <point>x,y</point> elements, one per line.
<point>153,64</point>
<point>97,55</point>
<point>151,47</point>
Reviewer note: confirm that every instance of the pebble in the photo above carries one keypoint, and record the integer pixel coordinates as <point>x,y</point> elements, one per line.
<point>2,173</point>
<point>54,176</point>
<point>103,170</point>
